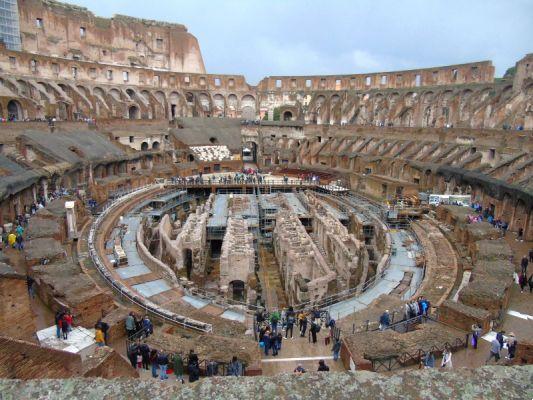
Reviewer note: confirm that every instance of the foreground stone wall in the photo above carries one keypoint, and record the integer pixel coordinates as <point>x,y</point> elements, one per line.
<point>482,383</point>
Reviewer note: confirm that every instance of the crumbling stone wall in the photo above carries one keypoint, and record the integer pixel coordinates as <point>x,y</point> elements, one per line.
<point>305,272</point>
<point>237,260</point>
<point>346,255</point>
<point>16,316</point>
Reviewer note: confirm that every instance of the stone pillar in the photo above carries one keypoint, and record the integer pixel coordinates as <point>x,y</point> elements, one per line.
<point>45,190</point>
<point>72,229</point>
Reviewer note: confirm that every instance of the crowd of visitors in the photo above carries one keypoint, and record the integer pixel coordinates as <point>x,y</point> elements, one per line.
<point>163,364</point>
<point>63,321</point>
<point>137,326</point>
<point>274,327</point>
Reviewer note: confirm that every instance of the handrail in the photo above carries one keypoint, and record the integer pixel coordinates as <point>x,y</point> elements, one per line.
<point>148,306</point>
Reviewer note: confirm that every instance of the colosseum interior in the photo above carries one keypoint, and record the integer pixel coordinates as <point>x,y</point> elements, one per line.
<point>142,184</point>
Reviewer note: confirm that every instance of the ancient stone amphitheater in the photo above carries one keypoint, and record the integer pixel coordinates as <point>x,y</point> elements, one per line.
<point>145,185</point>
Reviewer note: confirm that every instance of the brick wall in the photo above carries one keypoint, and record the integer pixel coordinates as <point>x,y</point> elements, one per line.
<point>24,360</point>
<point>462,316</point>
<point>16,317</point>
<point>108,364</point>
<point>524,352</point>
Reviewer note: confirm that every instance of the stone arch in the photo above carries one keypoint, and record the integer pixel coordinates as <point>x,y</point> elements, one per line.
<point>233,101</point>
<point>144,146</point>
<point>134,112</point>
<point>219,104</point>
<point>131,93</point>
<point>14,110</point>
<point>63,110</point>
<point>205,102</point>
<point>155,145</point>
<point>174,100</point>
<point>248,107</point>
<point>189,96</point>
<point>115,93</point>
<point>287,116</point>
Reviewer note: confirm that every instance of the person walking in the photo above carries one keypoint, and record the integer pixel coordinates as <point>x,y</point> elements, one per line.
<point>153,362</point>
<point>495,349</point>
<point>266,342</point>
<point>384,320</point>
<point>64,326</point>
<point>290,324</point>
<point>429,360</point>
<point>315,328</point>
<point>105,329</point>
<point>130,325</point>
<point>58,319</point>
<point>446,358</point>
<point>530,282</point>
<point>147,326</point>
<point>99,339</point>
<point>177,363</point>
<point>30,282</point>
<point>511,346</point>
<point>522,281</point>
<point>274,319</point>
<point>476,332</point>
<point>162,361</point>
<point>523,264</point>
<point>336,349</point>
<point>322,367</point>
<point>303,324</point>
<point>235,367</point>
<point>145,352</point>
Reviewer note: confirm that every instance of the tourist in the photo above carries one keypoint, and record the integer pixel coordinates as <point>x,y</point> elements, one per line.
<point>139,359</point>
<point>177,364</point>
<point>315,328</point>
<point>336,349</point>
<point>99,339</point>
<point>64,326</point>
<point>530,282</point>
<point>30,283</point>
<point>279,340</point>
<point>384,320</point>
<point>132,352</point>
<point>283,319</point>
<point>68,320</point>
<point>500,338</point>
<point>531,255</point>
<point>130,325</point>
<point>511,346</point>
<point>147,326</point>
<point>303,323</point>
<point>58,319</point>
<point>495,348</point>
<point>153,362</point>
<point>145,352</point>
<point>522,280</point>
<point>105,329</point>
<point>446,358</point>
<point>266,341</point>
<point>322,367</point>
<point>11,239</point>
<point>274,319</point>
<point>273,338</point>
<point>429,360</point>
<point>299,370</point>
<point>290,323</point>
<point>523,264</point>
<point>234,367</point>
<point>193,366</point>
<point>19,245</point>
<point>520,236</point>
<point>162,361</point>
<point>476,332</point>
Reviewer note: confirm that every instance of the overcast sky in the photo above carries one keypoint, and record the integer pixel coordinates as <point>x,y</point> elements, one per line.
<point>258,38</point>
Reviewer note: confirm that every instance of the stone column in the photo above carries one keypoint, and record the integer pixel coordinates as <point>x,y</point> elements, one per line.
<point>72,229</point>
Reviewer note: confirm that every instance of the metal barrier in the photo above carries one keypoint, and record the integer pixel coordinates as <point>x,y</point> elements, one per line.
<point>146,305</point>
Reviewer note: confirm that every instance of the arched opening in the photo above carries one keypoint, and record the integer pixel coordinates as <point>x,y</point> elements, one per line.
<point>213,140</point>
<point>249,152</point>
<point>63,110</point>
<point>144,146</point>
<point>155,145</point>
<point>190,158</point>
<point>237,290</point>
<point>130,93</point>
<point>187,261</point>
<point>133,112</point>
<point>189,97</point>
<point>287,116</point>
<point>14,110</point>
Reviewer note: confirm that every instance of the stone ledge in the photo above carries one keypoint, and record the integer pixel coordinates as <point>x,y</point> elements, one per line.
<point>483,383</point>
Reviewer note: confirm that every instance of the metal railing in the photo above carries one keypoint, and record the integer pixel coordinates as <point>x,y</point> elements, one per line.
<point>146,305</point>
